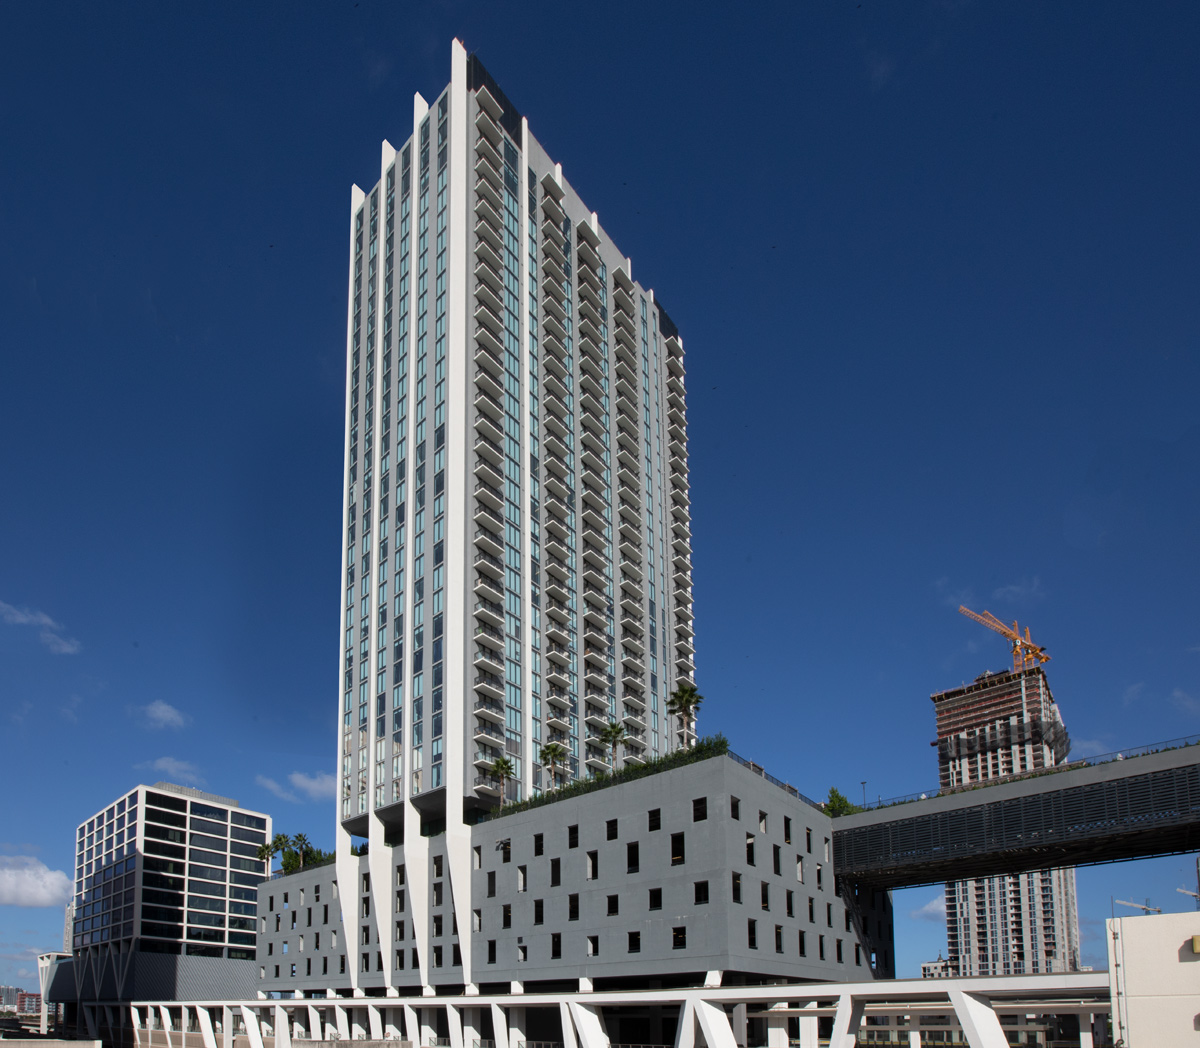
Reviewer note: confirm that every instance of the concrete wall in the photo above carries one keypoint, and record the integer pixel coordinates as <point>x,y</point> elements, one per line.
<point>1154,975</point>
<point>596,943</point>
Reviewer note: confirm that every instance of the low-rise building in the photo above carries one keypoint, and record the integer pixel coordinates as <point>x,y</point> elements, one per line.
<point>709,873</point>
<point>1153,964</point>
<point>166,893</point>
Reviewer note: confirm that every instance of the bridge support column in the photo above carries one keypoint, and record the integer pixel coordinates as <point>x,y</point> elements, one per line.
<point>777,1031</point>
<point>685,1032</point>
<point>454,1025</point>
<point>979,1021</point>
<point>808,1028</point>
<point>1085,1031</point>
<point>846,1022</point>
<point>740,1028</point>
<point>568,1025</point>
<point>714,1025</point>
<point>499,1027</point>
<point>589,1025</point>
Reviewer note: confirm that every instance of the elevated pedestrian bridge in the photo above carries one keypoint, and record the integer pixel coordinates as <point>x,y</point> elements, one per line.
<point>1123,809</point>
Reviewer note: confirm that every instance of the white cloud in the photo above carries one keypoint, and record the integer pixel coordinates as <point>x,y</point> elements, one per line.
<point>25,617</point>
<point>319,787</point>
<point>1017,592</point>
<point>934,910</point>
<point>952,596</point>
<point>1133,693</point>
<point>60,645</point>
<point>185,771</point>
<point>273,787</point>
<point>26,881</point>
<point>161,714</point>
<point>1182,700</point>
<point>50,630</point>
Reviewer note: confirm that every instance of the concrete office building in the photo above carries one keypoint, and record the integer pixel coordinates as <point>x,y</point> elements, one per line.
<point>166,889</point>
<point>1000,725</point>
<point>516,571</point>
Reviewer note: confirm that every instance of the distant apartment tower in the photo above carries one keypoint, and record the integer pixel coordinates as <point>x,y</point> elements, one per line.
<point>8,996</point>
<point>164,870</point>
<point>939,969</point>
<point>1005,724</point>
<point>516,533</point>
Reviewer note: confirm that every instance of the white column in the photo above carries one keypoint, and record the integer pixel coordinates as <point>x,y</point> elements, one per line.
<point>588,1024</point>
<point>165,1015</point>
<point>847,1021</point>
<point>739,1023</point>
<point>428,1025</point>
<point>253,1032</point>
<point>914,1035</point>
<point>568,1026</point>
<point>470,1026</point>
<point>226,1027</point>
<point>777,1031</point>
<point>1085,1032</point>
<point>685,1033</point>
<point>499,1026</point>
<point>516,1027</point>
<point>342,1021</point>
<point>392,1024</point>
<point>374,1021</point>
<point>714,1025</point>
<point>808,1028</point>
<point>412,1028</point>
<point>283,1030</point>
<point>454,1026</point>
<point>979,1022</point>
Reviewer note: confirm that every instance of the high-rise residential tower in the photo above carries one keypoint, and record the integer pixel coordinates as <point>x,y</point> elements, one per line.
<point>516,559</point>
<point>1005,724</point>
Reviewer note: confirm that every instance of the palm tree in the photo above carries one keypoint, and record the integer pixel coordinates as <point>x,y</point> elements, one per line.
<point>275,846</point>
<point>302,846</point>
<point>612,736</point>
<point>683,703</point>
<point>504,770</point>
<point>554,754</point>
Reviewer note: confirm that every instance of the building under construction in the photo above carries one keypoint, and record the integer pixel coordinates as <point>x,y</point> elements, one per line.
<point>1001,725</point>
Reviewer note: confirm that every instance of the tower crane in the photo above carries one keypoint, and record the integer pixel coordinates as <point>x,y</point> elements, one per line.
<point>1026,654</point>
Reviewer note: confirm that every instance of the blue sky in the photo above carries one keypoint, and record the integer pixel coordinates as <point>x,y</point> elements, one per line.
<point>935,267</point>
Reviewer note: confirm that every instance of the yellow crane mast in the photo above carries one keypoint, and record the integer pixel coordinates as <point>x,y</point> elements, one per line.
<point>1026,654</point>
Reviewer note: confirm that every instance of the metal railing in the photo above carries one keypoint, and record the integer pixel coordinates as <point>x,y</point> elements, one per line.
<point>1083,762</point>
<point>787,787</point>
